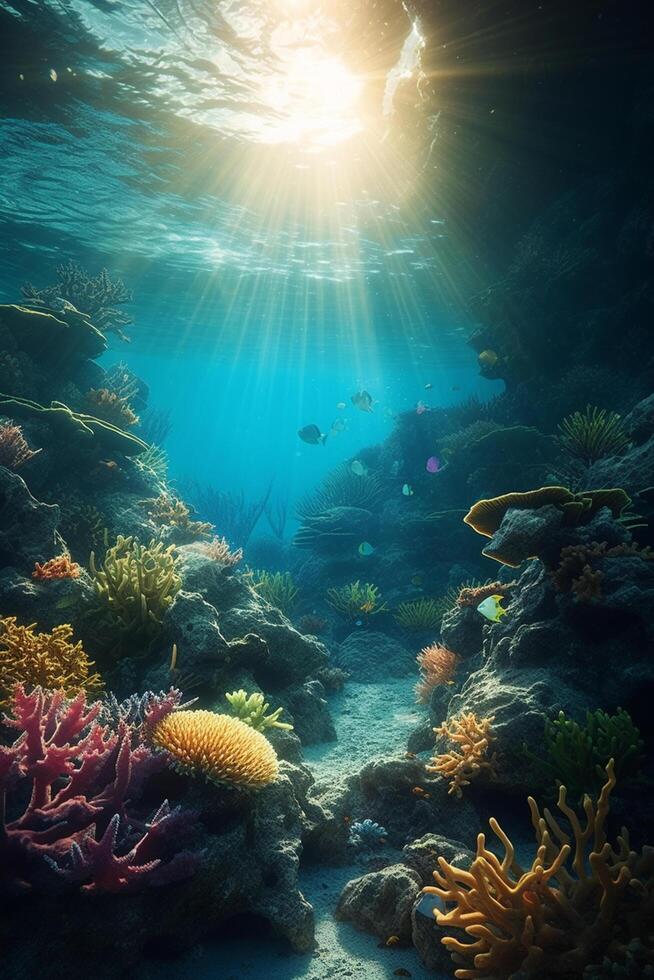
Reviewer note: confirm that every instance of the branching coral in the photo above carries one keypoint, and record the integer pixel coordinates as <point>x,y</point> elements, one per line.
<point>48,660</point>
<point>95,295</point>
<point>578,570</point>
<point>576,754</point>
<point>68,787</point>
<point>580,900</point>
<point>474,738</point>
<point>14,449</point>
<point>60,567</point>
<point>219,747</point>
<point>137,583</point>
<point>472,593</point>
<point>218,550</point>
<point>109,405</point>
<point>252,708</point>
<point>355,600</point>
<point>277,588</point>
<point>155,462</point>
<point>593,434</point>
<point>421,614</point>
<point>168,511</point>
<point>437,666</point>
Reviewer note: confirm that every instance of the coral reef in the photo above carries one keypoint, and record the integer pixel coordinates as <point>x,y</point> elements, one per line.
<point>251,709</point>
<point>437,666</point>
<point>56,568</point>
<point>342,488</point>
<point>222,749</point>
<point>277,588</point>
<point>111,407</point>
<point>76,821</point>
<point>218,550</point>
<point>578,571</point>
<point>593,434</point>
<point>472,752</point>
<point>166,511</point>
<point>136,583</point>
<point>14,449</point>
<point>47,660</point>
<point>355,599</point>
<point>581,899</point>
<point>420,615</point>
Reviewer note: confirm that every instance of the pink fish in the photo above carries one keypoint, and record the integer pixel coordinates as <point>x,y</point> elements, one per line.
<point>433,464</point>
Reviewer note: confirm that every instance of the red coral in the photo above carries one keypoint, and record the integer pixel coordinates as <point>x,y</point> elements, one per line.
<point>55,568</point>
<point>80,779</point>
<point>14,450</point>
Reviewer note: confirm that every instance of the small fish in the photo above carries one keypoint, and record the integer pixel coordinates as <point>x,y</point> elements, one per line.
<point>312,435</point>
<point>53,75</point>
<point>392,940</point>
<point>338,425</point>
<point>428,386</point>
<point>433,464</point>
<point>363,401</point>
<point>491,609</point>
<point>340,406</point>
<point>488,358</point>
<point>407,491</point>
<point>358,468</point>
<point>419,791</point>
<point>395,467</point>
<point>366,549</point>
<point>416,580</point>
<point>421,408</point>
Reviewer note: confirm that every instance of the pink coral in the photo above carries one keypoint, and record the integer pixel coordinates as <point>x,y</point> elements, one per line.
<point>69,783</point>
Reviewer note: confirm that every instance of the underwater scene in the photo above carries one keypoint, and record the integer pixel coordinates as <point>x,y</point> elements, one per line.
<point>326,489</point>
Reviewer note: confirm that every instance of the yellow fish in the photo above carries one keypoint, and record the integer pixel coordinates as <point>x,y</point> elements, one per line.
<point>491,609</point>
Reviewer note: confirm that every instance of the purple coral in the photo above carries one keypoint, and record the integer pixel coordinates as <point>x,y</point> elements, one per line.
<point>67,791</point>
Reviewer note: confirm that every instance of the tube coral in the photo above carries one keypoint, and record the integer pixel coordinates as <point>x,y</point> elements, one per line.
<point>437,665</point>
<point>219,747</point>
<point>474,737</point>
<point>252,708</point>
<point>48,660</point>
<point>137,582</point>
<point>581,900</point>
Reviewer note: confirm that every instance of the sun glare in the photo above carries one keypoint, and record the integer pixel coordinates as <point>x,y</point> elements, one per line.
<point>314,99</point>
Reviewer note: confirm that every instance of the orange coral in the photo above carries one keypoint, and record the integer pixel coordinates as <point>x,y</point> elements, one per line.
<point>111,407</point>
<point>437,665</point>
<point>60,567</point>
<point>474,737</point>
<point>473,595</point>
<point>218,549</point>
<point>220,747</point>
<point>47,660</point>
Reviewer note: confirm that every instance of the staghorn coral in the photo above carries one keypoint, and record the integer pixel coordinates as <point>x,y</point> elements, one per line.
<point>576,754</point>
<point>14,449</point>
<point>582,899</point>
<point>223,749</point>
<point>168,511</point>
<point>137,583</point>
<point>421,614</point>
<point>96,296</point>
<point>111,407</point>
<point>277,588</point>
<point>593,434</point>
<point>251,709</point>
<point>218,550</point>
<point>56,568</point>
<point>474,738</point>
<point>48,660</point>
<point>355,600</point>
<point>70,784</point>
<point>578,572</point>
<point>437,666</point>
<point>342,488</point>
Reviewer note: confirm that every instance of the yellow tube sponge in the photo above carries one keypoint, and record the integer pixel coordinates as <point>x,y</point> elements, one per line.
<point>222,748</point>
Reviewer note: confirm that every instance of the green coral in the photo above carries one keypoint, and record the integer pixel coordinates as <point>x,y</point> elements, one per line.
<point>137,583</point>
<point>423,614</point>
<point>577,754</point>
<point>593,434</point>
<point>76,428</point>
<point>277,588</point>
<point>251,709</point>
<point>356,599</point>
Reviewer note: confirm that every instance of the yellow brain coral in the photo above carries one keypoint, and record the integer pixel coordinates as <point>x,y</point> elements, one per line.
<point>220,747</point>
<point>46,660</point>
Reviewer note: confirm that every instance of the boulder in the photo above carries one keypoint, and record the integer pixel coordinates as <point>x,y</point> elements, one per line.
<point>381,902</point>
<point>28,528</point>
